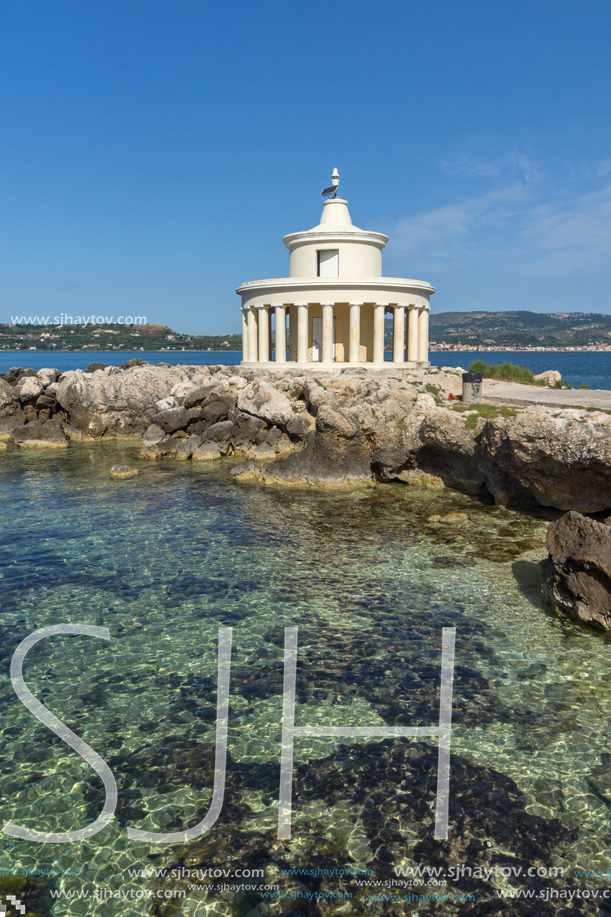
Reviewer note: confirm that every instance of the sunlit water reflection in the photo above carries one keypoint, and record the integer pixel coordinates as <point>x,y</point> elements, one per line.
<point>165,559</point>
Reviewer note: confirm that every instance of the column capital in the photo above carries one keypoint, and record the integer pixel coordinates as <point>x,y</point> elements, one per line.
<point>301,305</point>
<point>327,303</point>
<point>385,305</point>
<point>355,304</point>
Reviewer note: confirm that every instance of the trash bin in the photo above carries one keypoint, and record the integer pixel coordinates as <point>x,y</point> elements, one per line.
<point>471,388</point>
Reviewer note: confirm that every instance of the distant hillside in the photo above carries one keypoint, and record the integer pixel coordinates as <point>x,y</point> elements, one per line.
<point>110,337</point>
<point>524,329</point>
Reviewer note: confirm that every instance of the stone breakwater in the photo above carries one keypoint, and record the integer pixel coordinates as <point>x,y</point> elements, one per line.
<point>337,429</point>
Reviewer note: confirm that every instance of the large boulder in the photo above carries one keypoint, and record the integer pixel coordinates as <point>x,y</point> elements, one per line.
<point>118,403</point>
<point>171,419</point>
<point>263,400</point>
<point>559,458</point>
<point>29,388</point>
<point>9,402</point>
<point>46,435</point>
<point>577,571</point>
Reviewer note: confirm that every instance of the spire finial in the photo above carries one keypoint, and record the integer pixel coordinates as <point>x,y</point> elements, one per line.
<point>334,185</point>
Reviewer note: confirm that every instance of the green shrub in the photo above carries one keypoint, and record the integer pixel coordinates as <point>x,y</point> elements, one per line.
<point>505,372</point>
<point>585,385</point>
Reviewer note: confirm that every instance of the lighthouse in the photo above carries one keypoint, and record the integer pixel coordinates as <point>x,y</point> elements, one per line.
<point>329,313</point>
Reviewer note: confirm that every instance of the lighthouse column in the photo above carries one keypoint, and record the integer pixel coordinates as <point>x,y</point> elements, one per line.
<point>398,335</point>
<point>263,334</point>
<point>354,353</point>
<point>252,335</point>
<point>280,334</point>
<point>378,331</point>
<point>327,332</point>
<point>244,336</point>
<point>302,332</point>
<point>412,334</point>
<point>423,335</point>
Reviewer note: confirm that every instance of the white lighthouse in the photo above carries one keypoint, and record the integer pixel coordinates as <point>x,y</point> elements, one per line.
<point>335,299</point>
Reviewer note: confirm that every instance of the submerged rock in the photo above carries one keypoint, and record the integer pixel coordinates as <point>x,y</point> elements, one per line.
<point>123,471</point>
<point>577,572</point>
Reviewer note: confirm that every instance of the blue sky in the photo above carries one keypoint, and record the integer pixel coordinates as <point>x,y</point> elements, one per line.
<point>154,153</point>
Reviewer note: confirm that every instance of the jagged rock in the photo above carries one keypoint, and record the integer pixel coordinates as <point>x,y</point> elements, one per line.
<point>245,472</point>
<point>8,425</point>
<point>577,571</point>
<point>92,368</point>
<point>153,435</point>
<point>171,419</point>
<point>220,434</point>
<point>198,394</point>
<point>264,452</point>
<point>48,376</point>
<point>168,448</point>
<point>206,453</point>
<point>29,388</point>
<point>123,471</point>
<point>559,458</point>
<point>48,435</point>
<point>180,390</point>
<point>16,373</point>
<point>166,404</point>
<point>265,401</point>
<point>214,411</point>
<point>188,446</point>
<point>114,404</point>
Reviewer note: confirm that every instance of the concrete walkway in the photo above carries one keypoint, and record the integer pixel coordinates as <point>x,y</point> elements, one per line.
<point>514,393</point>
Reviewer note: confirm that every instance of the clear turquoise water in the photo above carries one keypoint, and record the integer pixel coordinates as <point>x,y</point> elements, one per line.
<point>165,559</point>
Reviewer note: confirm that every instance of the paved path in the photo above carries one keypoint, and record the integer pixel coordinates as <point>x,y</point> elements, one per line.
<point>514,393</point>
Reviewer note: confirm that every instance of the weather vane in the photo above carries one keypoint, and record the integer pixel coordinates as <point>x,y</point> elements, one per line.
<point>334,185</point>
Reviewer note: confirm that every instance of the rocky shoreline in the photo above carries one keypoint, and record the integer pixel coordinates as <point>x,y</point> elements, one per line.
<point>314,429</point>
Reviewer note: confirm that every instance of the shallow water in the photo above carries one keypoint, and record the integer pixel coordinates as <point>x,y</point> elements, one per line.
<point>166,559</point>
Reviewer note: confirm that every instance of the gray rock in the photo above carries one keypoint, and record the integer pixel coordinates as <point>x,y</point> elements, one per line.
<point>196,395</point>
<point>168,448</point>
<point>577,571</point>
<point>47,376</point>
<point>550,376</point>
<point>45,435</point>
<point>214,411</point>
<point>263,400</point>
<point>220,432</point>
<point>170,420</point>
<point>558,458</point>
<point>153,435</point>
<point>8,425</point>
<point>265,452</point>
<point>166,404</point>
<point>206,453</point>
<point>116,404</point>
<point>29,389</point>
<point>245,472</point>
<point>188,446</point>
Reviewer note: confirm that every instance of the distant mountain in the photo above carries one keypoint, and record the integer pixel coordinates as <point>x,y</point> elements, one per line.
<point>73,336</point>
<point>522,328</point>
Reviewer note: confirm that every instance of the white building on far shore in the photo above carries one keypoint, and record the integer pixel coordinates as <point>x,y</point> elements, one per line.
<point>335,299</point>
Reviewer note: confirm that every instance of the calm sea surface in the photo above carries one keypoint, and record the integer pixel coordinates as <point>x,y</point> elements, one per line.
<point>591,368</point>
<point>166,559</point>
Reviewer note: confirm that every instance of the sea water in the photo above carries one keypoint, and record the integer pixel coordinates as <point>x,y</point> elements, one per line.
<point>370,578</point>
